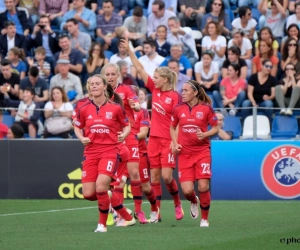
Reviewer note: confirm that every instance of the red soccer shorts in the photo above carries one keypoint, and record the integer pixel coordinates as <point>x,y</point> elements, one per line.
<point>193,167</point>
<point>160,154</point>
<point>144,168</point>
<point>92,167</point>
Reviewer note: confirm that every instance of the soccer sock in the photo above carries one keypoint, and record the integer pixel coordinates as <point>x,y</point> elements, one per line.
<point>119,208</point>
<point>204,204</point>
<point>152,199</point>
<point>158,192</point>
<point>120,193</point>
<point>103,205</point>
<point>173,190</point>
<point>191,198</point>
<point>93,197</point>
<point>136,190</point>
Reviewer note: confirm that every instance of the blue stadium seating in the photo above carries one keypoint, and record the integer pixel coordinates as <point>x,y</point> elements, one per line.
<point>256,15</point>
<point>284,127</point>
<point>8,120</point>
<point>108,54</point>
<point>233,124</point>
<point>230,14</point>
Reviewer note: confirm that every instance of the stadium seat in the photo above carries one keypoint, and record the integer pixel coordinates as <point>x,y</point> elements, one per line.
<point>284,127</point>
<point>8,120</point>
<point>233,124</point>
<point>263,127</point>
<point>230,14</point>
<point>256,15</point>
<point>108,54</point>
<point>212,99</point>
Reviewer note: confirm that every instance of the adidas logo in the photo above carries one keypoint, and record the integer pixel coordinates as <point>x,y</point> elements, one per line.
<point>90,117</point>
<point>183,115</point>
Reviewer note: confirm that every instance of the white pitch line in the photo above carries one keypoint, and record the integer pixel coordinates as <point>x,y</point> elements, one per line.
<point>54,210</point>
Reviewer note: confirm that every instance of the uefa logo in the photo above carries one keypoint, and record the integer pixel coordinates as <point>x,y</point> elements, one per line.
<point>280,172</point>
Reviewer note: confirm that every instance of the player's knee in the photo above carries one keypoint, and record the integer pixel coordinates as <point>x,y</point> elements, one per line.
<point>134,175</point>
<point>101,188</point>
<point>155,176</point>
<point>146,188</point>
<point>187,191</point>
<point>203,188</point>
<point>167,179</point>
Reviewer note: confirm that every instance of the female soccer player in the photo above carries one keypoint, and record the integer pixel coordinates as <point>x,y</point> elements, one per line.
<point>111,73</point>
<point>101,120</point>
<point>164,99</point>
<point>193,146</point>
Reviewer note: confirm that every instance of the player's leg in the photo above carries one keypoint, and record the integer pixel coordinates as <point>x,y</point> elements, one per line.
<point>89,177</point>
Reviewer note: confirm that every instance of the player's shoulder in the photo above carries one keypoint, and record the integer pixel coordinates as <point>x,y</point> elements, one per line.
<point>206,106</point>
<point>144,113</point>
<point>180,106</point>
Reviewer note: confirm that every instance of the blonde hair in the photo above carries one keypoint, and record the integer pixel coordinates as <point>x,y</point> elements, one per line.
<point>171,76</point>
<point>88,86</point>
<point>113,65</point>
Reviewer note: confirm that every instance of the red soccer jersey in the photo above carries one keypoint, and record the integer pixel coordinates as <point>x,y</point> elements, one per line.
<point>127,92</point>
<point>101,125</point>
<point>79,104</point>
<point>190,121</point>
<point>3,130</point>
<point>142,119</point>
<point>163,103</point>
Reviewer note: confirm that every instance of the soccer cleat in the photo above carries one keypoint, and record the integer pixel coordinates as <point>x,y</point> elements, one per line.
<point>128,211</point>
<point>289,112</point>
<point>282,111</point>
<point>179,213</point>
<point>100,229</point>
<point>110,219</point>
<point>204,223</point>
<point>140,216</point>
<point>154,216</point>
<point>194,209</point>
<point>125,223</point>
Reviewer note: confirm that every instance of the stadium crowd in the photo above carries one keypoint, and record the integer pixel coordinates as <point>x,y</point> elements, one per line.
<point>242,56</point>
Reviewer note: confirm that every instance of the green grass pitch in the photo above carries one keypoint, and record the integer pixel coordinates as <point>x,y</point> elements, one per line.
<point>69,224</point>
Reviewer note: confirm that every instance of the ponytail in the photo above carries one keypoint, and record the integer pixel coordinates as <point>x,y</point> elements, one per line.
<point>111,95</point>
<point>201,96</point>
<point>174,80</point>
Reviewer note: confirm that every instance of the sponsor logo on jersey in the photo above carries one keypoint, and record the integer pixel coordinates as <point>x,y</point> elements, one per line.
<point>121,95</point>
<point>158,108</point>
<point>99,129</point>
<point>190,120</point>
<point>190,129</point>
<point>168,100</point>
<point>90,117</point>
<point>108,115</point>
<point>199,115</point>
<point>182,115</point>
<point>280,171</point>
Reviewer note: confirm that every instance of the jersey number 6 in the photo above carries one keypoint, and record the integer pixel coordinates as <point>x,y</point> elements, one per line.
<point>109,166</point>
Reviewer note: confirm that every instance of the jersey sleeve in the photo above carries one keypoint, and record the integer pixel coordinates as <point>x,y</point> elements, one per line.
<point>150,84</point>
<point>144,118</point>
<point>121,117</point>
<point>131,94</point>
<point>174,117</point>
<point>79,121</point>
<point>177,99</point>
<point>211,117</point>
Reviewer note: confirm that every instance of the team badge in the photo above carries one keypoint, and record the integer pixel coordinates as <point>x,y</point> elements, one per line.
<point>199,115</point>
<point>121,95</point>
<point>280,172</point>
<point>108,115</point>
<point>168,100</point>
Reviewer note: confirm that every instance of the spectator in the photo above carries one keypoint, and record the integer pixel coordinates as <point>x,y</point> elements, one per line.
<point>136,26</point>
<point>248,3</point>
<point>181,78</point>
<point>287,92</point>
<point>207,72</point>
<point>215,42</point>
<point>44,36</point>
<point>275,16</point>
<point>43,66</point>
<point>32,7</point>
<point>19,17</point>
<point>10,81</point>
<point>261,91</point>
<point>222,135</point>
<point>143,97</point>
<point>184,63</point>
<point>85,17</point>
<point>28,114</point>
<point>39,85</point>
<point>162,45</point>
<point>184,37</point>
<point>72,55</point>
<point>106,26</point>
<point>191,12</point>
<point>233,57</point>
<point>295,18</point>
<point>245,46</point>
<point>292,6</point>
<point>3,127</point>
<point>170,5</point>
<point>292,31</point>
<point>15,132</point>
<point>151,60</point>
<point>245,23</point>
<point>91,4</point>
<point>11,39</point>
<point>290,54</point>
<point>96,59</point>
<point>159,16</point>
<point>123,55</point>
<point>79,40</point>
<point>120,6</point>
<point>232,91</point>
<point>126,78</point>
<point>217,14</point>
<point>266,35</point>
<point>16,57</point>
<point>58,110</point>
<point>265,52</point>
<point>55,10</point>
<point>68,81</point>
